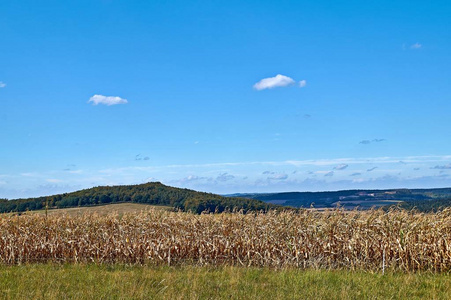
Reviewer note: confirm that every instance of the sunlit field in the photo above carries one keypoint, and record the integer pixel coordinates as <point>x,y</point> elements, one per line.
<point>374,240</point>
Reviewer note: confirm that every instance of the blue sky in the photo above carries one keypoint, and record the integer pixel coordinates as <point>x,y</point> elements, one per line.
<point>224,97</point>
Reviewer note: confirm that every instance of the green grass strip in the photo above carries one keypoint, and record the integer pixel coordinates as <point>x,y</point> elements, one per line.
<point>189,282</point>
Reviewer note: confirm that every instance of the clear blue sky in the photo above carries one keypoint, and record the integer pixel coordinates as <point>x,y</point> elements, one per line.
<point>187,93</point>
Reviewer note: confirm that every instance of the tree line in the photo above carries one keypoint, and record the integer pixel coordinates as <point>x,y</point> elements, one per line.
<point>154,193</point>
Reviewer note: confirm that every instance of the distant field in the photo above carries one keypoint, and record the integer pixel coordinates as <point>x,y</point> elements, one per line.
<point>119,208</point>
<point>49,281</point>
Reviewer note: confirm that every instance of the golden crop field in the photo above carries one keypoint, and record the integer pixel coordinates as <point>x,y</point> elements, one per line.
<point>369,240</point>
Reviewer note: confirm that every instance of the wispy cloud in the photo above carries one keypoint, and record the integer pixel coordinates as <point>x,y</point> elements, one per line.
<point>279,176</point>
<point>295,163</point>
<point>2,84</point>
<point>367,142</point>
<point>29,174</point>
<point>341,167</point>
<point>107,100</point>
<point>302,83</point>
<point>416,46</point>
<point>75,171</point>
<point>272,82</point>
<point>329,174</point>
<point>140,157</point>
<point>225,177</point>
<point>371,169</point>
<point>442,167</point>
<point>356,174</point>
<point>192,178</point>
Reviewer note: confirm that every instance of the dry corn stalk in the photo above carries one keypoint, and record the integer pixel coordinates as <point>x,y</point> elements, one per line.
<point>306,239</point>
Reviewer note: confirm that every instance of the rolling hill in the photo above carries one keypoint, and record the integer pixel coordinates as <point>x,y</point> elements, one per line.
<point>154,193</point>
<point>422,199</point>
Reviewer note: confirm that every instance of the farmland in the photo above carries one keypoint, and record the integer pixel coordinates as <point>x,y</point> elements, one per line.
<point>85,253</point>
<point>107,209</point>
<point>370,240</point>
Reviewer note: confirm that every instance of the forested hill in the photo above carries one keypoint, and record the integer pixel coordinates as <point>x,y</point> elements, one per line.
<point>154,193</point>
<point>421,199</point>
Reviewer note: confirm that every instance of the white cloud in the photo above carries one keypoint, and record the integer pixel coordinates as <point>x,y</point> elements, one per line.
<point>279,176</point>
<point>75,171</point>
<point>272,82</point>
<point>2,84</point>
<point>192,178</point>
<point>416,46</point>
<point>29,174</point>
<point>359,180</point>
<point>107,100</point>
<point>302,83</point>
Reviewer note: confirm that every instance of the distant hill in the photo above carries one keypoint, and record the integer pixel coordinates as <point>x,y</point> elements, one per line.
<point>154,193</point>
<point>422,199</point>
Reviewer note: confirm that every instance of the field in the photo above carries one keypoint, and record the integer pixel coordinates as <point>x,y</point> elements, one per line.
<point>372,240</point>
<point>119,208</point>
<point>50,281</point>
<point>332,254</point>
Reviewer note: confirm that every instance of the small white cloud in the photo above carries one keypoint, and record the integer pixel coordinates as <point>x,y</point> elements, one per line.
<point>416,46</point>
<point>28,174</point>
<point>302,83</point>
<point>2,84</point>
<point>359,180</point>
<point>279,176</point>
<point>272,82</point>
<point>75,171</point>
<point>192,178</point>
<point>107,100</point>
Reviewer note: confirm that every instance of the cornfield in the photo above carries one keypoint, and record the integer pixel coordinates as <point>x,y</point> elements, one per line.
<point>370,240</point>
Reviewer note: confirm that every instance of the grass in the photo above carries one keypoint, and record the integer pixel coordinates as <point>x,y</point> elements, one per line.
<point>51,281</point>
<point>119,208</point>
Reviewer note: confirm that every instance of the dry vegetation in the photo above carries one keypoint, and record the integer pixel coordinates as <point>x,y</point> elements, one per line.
<point>371,240</point>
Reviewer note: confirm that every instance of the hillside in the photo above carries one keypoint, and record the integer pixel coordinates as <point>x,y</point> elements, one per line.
<point>104,209</point>
<point>422,199</point>
<point>154,193</point>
